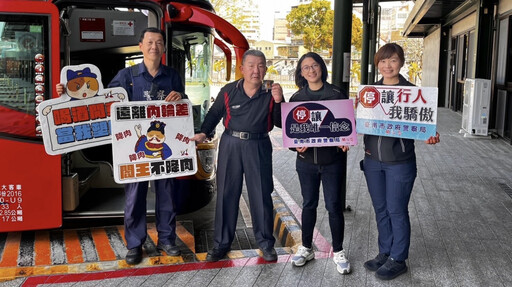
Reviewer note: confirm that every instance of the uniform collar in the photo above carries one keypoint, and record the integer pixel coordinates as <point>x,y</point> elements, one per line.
<point>401,81</point>
<point>240,87</point>
<point>144,70</point>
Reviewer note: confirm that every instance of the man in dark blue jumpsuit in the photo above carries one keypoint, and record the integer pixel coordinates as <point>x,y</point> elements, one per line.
<point>249,113</point>
<point>148,81</point>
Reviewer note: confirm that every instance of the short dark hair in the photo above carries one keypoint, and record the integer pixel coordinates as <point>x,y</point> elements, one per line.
<point>387,51</point>
<point>300,81</point>
<point>151,30</point>
<point>256,53</point>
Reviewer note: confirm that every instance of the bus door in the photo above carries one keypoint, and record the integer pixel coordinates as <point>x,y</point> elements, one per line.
<point>193,28</point>
<point>30,180</point>
<point>105,34</point>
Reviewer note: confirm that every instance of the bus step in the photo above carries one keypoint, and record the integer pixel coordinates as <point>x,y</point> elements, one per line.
<point>85,174</point>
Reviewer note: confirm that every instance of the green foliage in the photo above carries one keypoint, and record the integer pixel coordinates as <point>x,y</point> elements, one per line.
<point>219,65</point>
<point>272,70</point>
<point>314,22</point>
<point>357,33</point>
<point>232,11</point>
<point>414,72</point>
<point>413,49</point>
<point>355,70</point>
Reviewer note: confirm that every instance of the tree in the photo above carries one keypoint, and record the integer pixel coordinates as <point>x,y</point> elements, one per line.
<point>219,65</point>
<point>355,71</point>
<point>357,33</point>
<point>271,70</point>
<point>317,30</point>
<point>413,49</point>
<point>232,11</point>
<point>314,21</point>
<point>414,72</point>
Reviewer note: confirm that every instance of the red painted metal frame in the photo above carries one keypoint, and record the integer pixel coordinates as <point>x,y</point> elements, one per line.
<point>198,16</point>
<point>25,162</point>
<point>227,52</point>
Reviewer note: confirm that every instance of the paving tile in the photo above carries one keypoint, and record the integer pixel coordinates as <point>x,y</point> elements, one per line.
<point>203,277</point>
<point>290,276</point>
<point>313,273</point>
<point>181,278</point>
<point>248,276</point>
<point>461,224</point>
<point>269,275</point>
<point>225,277</point>
<point>156,280</point>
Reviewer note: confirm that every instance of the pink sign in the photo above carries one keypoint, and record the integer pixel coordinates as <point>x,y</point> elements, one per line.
<point>318,123</point>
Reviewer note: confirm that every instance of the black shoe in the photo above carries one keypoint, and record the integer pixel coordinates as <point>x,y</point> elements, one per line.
<point>134,256</point>
<point>170,249</point>
<point>391,269</point>
<point>269,254</point>
<point>216,254</point>
<point>376,263</point>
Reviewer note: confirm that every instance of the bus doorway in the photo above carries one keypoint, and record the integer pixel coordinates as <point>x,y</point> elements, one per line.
<point>38,39</point>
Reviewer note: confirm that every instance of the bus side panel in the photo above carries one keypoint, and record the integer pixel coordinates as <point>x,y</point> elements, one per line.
<point>15,122</point>
<point>30,179</point>
<point>30,187</point>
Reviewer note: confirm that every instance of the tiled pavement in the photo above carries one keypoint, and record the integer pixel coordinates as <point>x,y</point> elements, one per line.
<point>461,216</point>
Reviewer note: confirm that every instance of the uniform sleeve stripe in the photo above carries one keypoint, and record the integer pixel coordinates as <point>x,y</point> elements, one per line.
<point>228,111</point>
<point>269,117</point>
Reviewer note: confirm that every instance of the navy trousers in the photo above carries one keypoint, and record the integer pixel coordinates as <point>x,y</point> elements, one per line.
<point>254,159</point>
<point>390,187</point>
<point>310,176</point>
<point>135,212</point>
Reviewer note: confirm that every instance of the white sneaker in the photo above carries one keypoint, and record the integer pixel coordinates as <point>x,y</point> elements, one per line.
<point>341,261</point>
<point>302,256</point>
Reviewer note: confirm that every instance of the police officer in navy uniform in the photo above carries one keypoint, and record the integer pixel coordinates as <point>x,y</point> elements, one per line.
<point>249,112</point>
<point>150,80</point>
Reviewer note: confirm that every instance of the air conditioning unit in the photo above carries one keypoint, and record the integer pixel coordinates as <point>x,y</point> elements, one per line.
<point>475,111</point>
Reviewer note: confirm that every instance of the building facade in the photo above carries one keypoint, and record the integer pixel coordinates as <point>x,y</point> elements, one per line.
<point>468,39</point>
<point>251,21</point>
<point>266,47</point>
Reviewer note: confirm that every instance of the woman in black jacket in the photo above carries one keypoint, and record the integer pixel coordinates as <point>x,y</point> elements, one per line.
<point>390,170</point>
<point>319,164</point>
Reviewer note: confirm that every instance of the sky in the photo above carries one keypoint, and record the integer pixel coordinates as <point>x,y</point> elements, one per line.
<point>267,11</point>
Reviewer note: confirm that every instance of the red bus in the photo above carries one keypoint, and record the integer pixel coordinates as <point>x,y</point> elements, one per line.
<point>38,38</point>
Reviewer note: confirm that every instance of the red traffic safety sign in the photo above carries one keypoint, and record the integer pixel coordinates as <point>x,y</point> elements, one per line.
<point>369,97</point>
<point>301,114</point>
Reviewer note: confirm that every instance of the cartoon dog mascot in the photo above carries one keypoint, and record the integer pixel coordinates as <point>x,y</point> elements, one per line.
<point>153,143</point>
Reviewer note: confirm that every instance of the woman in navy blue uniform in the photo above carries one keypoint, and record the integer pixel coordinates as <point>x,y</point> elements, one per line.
<point>317,165</point>
<point>389,167</point>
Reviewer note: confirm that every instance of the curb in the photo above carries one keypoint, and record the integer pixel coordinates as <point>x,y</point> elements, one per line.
<point>286,228</point>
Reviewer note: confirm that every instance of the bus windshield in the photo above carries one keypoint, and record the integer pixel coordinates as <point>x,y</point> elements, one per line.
<point>23,79</point>
<point>191,55</point>
<point>197,77</point>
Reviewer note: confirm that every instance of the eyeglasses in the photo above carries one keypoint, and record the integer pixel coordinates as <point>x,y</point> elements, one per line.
<point>308,68</point>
